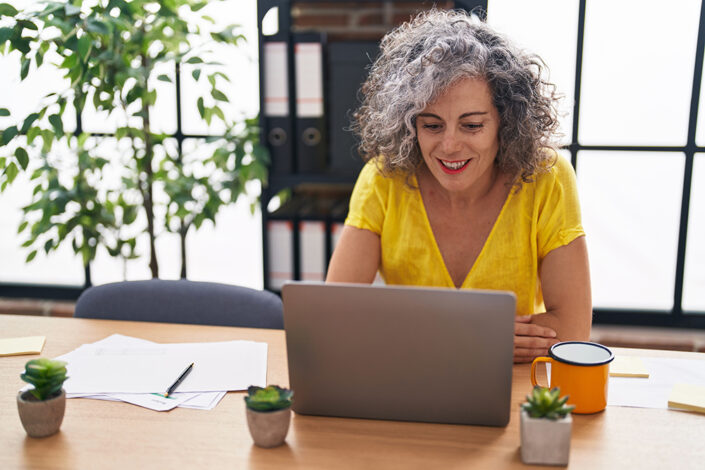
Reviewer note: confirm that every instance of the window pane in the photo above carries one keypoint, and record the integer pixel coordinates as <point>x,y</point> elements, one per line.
<point>27,96</point>
<point>230,251</point>
<point>552,35</point>
<point>631,211</point>
<point>60,267</point>
<point>162,114</point>
<point>239,64</point>
<point>637,72</point>
<point>694,281</point>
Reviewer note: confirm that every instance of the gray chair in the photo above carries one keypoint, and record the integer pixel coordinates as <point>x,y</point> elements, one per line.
<point>200,303</point>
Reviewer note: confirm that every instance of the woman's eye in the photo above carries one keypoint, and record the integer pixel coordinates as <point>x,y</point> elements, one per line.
<point>472,126</point>
<point>432,127</point>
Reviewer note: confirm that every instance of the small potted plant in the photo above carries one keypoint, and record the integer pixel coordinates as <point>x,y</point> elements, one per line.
<point>42,408</point>
<point>268,414</point>
<point>545,427</point>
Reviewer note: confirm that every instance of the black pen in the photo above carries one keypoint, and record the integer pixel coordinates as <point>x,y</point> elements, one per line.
<point>178,381</point>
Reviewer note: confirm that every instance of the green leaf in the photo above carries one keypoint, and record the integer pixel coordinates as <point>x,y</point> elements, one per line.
<point>164,78</point>
<point>32,134</point>
<point>22,226</point>
<point>196,73</point>
<point>84,46</point>
<point>5,34</point>
<point>201,107</point>
<point>194,60</point>
<point>7,10</point>
<point>29,120</point>
<point>4,112</point>
<point>25,68</point>
<point>22,157</point>
<point>26,24</point>
<point>48,138</point>
<point>8,134</point>
<point>219,95</point>
<point>21,44</point>
<point>11,172</point>
<point>57,124</point>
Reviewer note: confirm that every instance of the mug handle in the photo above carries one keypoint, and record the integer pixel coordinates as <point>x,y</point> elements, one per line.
<point>534,382</point>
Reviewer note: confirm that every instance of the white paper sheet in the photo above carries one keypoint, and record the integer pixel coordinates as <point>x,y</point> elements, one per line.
<point>118,350</point>
<point>652,392</point>
<point>224,366</point>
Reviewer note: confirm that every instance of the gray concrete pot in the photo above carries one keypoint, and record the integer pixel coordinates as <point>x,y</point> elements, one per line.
<point>268,428</point>
<point>545,441</point>
<point>41,418</point>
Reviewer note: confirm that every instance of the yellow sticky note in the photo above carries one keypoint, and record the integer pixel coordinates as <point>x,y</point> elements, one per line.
<point>687,397</point>
<point>19,346</point>
<point>628,366</point>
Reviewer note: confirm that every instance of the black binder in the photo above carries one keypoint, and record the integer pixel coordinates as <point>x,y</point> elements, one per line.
<point>311,135</point>
<point>276,103</point>
<point>348,68</point>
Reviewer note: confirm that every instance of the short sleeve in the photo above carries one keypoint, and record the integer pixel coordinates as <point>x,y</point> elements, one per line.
<point>369,200</point>
<point>559,219</point>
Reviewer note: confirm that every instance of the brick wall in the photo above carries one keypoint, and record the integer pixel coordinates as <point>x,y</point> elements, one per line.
<point>47,308</point>
<point>362,21</point>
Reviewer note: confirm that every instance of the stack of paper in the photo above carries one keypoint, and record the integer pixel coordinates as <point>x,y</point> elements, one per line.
<point>660,386</point>
<point>138,371</point>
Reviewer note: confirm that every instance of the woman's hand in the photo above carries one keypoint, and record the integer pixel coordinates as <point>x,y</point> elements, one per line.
<point>531,340</point>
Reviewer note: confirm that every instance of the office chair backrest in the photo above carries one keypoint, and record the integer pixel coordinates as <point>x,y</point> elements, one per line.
<point>201,303</point>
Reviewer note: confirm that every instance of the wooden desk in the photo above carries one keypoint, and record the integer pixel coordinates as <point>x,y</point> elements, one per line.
<point>102,434</point>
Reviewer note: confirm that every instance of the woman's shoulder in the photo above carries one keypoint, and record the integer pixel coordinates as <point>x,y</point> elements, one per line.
<point>373,173</point>
<point>557,169</point>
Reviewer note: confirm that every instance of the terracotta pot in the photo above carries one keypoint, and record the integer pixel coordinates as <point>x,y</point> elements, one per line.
<point>545,441</point>
<point>41,418</point>
<point>268,428</point>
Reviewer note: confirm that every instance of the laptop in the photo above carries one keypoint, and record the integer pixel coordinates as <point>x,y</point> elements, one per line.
<point>400,353</point>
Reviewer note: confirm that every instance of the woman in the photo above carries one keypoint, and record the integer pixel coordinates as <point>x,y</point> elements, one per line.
<point>463,187</point>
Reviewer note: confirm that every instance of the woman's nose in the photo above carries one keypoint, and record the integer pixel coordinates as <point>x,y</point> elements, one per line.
<point>450,143</point>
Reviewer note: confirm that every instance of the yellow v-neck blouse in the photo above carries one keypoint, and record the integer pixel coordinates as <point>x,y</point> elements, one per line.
<point>541,216</point>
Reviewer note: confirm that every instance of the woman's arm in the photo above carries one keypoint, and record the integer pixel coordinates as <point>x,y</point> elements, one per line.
<point>356,257</point>
<point>565,282</point>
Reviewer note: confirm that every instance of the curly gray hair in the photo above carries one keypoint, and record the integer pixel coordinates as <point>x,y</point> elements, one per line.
<point>422,58</point>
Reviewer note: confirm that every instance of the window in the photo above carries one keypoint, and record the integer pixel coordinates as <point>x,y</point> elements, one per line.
<point>231,254</point>
<point>630,72</point>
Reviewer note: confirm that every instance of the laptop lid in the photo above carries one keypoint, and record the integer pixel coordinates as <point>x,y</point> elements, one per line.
<point>400,353</point>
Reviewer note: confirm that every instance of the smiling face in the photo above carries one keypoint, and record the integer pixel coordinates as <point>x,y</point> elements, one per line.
<point>458,137</point>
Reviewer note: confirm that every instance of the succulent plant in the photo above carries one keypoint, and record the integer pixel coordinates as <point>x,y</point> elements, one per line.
<point>271,398</point>
<point>47,376</point>
<point>546,403</point>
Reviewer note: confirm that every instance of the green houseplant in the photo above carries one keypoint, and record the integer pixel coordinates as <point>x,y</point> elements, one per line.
<point>545,427</point>
<point>113,52</point>
<point>268,414</point>
<point>41,408</point>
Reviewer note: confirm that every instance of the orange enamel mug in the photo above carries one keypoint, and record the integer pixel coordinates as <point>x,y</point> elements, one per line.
<point>581,370</point>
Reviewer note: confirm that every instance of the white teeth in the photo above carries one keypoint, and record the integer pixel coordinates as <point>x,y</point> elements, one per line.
<point>454,165</point>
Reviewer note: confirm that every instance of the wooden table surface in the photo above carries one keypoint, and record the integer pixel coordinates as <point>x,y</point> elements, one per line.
<point>101,434</point>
